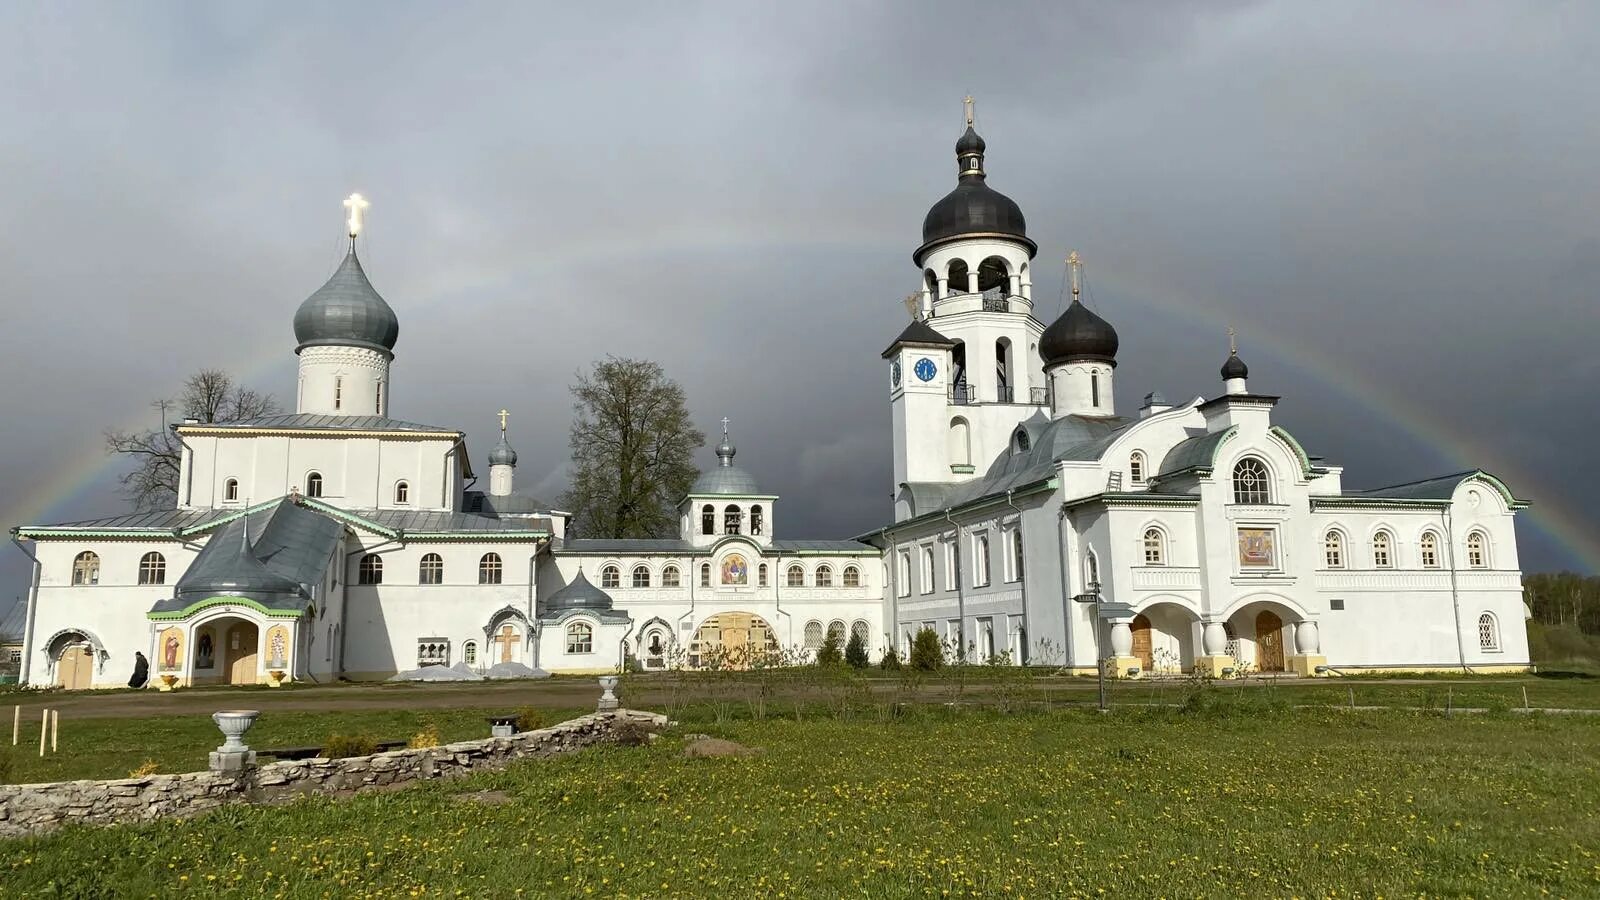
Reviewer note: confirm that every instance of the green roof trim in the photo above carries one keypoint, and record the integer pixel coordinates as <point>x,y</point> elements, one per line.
<point>1282,434</point>
<point>209,602</point>
<point>1349,502</point>
<point>1135,498</point>
<point>348,518</point>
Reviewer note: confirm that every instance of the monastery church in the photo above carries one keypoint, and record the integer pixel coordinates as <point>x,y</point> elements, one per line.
<point>1032,523</point>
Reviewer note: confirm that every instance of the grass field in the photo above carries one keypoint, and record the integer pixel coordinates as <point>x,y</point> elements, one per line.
<point>1245,801</point>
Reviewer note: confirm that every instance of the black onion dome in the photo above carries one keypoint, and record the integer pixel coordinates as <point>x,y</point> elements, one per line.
<point>1078,334</point>
<point>973,208</point>
<point>346,311</point>
<point>971,142</point>
<point>1234,368</point>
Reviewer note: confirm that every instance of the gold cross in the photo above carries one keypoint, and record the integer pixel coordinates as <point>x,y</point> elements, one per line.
<point>505,639</point>
<point>1073,265</point>
<point>503,416</point>
<point>356,204</point>
<point>725,421</point>
<point>967,101</point>
<point>1233,345</point>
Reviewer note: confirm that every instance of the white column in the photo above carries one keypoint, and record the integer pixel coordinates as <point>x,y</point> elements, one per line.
<point>1215,639</point>
<point>1307,642</point>
<point>1121,638</point>
<point>972,280</point>
<point>1015,288</point>
<point>944,287</point>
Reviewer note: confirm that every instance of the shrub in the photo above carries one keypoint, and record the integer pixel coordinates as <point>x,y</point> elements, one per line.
<point>340,746</point>
<point>828,654</point>
<point>890,661</point>
<point>427,737</point>
<point>855,652</point>
<point>529,719</point>
<point>148,767</point>
<point>926,653</point>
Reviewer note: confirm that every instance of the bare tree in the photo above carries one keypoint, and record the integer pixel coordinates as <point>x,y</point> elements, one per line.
<point>632,450</point>
<point>209,395</point>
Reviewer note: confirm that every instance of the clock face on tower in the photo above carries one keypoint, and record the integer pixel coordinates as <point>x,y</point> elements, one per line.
<point>894,372</point>
<point>925,369</point>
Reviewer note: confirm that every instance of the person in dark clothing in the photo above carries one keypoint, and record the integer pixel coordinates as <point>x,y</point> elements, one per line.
<point>141,671</point>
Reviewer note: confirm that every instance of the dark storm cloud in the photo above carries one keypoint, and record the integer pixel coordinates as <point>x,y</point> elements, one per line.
<point>1394,204</point>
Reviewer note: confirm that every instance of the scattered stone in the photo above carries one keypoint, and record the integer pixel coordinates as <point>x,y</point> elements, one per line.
<point>704,747</point>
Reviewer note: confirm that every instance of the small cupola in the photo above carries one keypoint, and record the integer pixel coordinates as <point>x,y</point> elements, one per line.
<point>502,463</point>
<point>1234,371</point>
<point>1079,351</point>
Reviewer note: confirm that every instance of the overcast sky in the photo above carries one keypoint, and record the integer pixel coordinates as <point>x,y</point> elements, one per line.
<point>1398,206</point>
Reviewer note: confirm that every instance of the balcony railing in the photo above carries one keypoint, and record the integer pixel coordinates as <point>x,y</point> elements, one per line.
<point>963,394</point>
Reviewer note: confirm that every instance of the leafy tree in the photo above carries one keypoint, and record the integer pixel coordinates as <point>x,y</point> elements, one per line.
<point>632,451</point>
<point>828,654</point>
<point>926,653</point>
<point>1564,599</point>
<point>855,651</point>
<point>209,395</point>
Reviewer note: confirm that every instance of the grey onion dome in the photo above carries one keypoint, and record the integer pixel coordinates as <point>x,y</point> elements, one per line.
<point>1078,334</point>
<point>346,312</point>
<point>725,477</point>
<point>973,208</point>
<point>970,142</point>
<point>502,454</point>
<point>1234,368</point>
<point>579,594</point>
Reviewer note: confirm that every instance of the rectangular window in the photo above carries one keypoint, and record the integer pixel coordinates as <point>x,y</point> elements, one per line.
<point>338,391</point>
<point>949,563</point>
<point>927,570</point>
<point>1336,604</point>
<point>903,588</point>
<point>433,652</point>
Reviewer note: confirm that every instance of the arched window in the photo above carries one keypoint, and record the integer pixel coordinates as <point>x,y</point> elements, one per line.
<point>641,576</point>
<point>705,575</point>
<point>402,493</point>
<point>960,447</point>
<point>153,569</point>
<point>1019,441</point>
<point>469,653</point>
<point>1382,550</point>
<point>930,281</point>
<point>371,570</point>
<point>761,575</point>
<point>708,519</point>
<point>230,490</point>
<point>1428,548</point>
<point>732,518</point>
<point>1250,484</point>
<point>1091,568</point>
<point>980,562</point>
<point>1488,632</point>
<point>86,568</point>
<point>1477,551</point>
<point>824,577</point>
<point>431,570</point>
<point>338,391</point>
<point>669,577</point>
<point>852,576</point>
<point>377,400</point>
<point>489,569</point>
<point>1136,467</point>
<point>1094,387</point>
<point>836,631</point>
<point>956,275</point>
<point>610,577</point>
<point>994,273</point>
<point>1333,549</point>
<point>580,637</point>
<point>797,576</point>
<point>1154,547</point>
<point>927,570</point>
<point>1002,368</point>
<point>1016,553</point>
<point>314,484</point>
<point>756,523</point>
<point>813,635</point>
<point>861,629</point>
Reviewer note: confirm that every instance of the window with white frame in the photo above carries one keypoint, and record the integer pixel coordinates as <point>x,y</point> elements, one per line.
<point>927,571</point>
<point>852,577</point>
<point>580,637</point>
<point>1091,568</point>
<point>705,575</point>
<point>230,490</point>
<point>813,635</point>
<point>371,570</point>
<point>950,564</point>
<point>861,629</point>
<point>431,569</point>
<point>1382,550</point>
<point>1477,551</point>
<point>836,632</point>
<point>761,575</point>
<point>1333,549</point>
<point>796,576</point>
<point>433,652</point>
<point>489,569</point>
<point>980,561</point>
<point>641,576</point>
<point>469,653</point>
<point>1251,483</point>
<point>1488,632</point>
<point>1428,549</point>
<point>314,484</point>
<point>1016,553</point>
<point>670,577</point>
<point>1136,467</point>
<point>153,568</point>
<point>824,575</point>
<point>732,519</point>
<point>402,493</point>
<point>1155,551</point>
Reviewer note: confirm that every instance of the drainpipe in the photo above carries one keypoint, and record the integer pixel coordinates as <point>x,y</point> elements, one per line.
<point>399,542</point>
<point>1455,595</point>
<point>533,623</point>
<point>694,584</point>
<point>893,569</point>
<point>1022,584</point>
<point>30,615</point>
<point>1071,656</point>
<point>961,591</point>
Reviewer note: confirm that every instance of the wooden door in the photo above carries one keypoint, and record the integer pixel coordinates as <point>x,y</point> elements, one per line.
<point>75,668</point>
<point>241,647</point>
<point>1269,642</point>
<point>1142,647</point>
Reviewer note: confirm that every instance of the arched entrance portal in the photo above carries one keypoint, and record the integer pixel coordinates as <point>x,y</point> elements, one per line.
<point>75,667</point>
<point>1143,647</point>
<point>239,643</point>
<point>1269,642</point>
<point>731,640</point>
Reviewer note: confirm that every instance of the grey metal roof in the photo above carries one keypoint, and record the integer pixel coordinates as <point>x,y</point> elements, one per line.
<point>160,520</point>
<point>725,477</point>
<point>14,622</point>
<point>346,311</point>
<point>418,521</point>
<point>1199,451</point>
<point>580,593</point>
<point>1069,438</point>
<point>509,505</point>
<point>918,334</point>
<point>823,547</point>
<point>624,546</point>
<point>1442,487</point>
<point>317,422</point>
<point>272,556</point>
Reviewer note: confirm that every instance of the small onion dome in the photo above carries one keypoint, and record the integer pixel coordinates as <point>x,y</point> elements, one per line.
<point>1234,368</point>
<point>971,142</point>
<point>1078,334</point>
<point>725,478</point>
<point>579,594</point>
<point>502,454</point>
<point>346,312</point>
<point>973,208</point>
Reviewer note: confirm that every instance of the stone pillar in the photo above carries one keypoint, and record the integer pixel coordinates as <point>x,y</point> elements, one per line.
<point>1015,285</point>
<point>608,696</point>
<point>1214,641</point>
<point>1308,650</point>
<point>233,755</point>
<point>972,281</point>
<point>1122,658</point>
<point>944,287</point>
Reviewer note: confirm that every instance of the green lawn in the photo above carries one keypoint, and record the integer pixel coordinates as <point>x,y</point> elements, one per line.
<point>1253,800</point>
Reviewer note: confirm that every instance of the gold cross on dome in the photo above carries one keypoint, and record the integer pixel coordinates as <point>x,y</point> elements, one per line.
<point>1233,345</point>
<point>967,102</point>
<point>503,416</point>
<point>356,204</point>
<point>1073,265</point>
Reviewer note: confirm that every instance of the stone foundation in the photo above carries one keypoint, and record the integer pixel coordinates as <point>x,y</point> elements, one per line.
<point>36,808</point>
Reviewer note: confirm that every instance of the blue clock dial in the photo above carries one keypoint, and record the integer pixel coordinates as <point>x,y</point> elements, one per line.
<point>925,369</point>
<point>894,372</point>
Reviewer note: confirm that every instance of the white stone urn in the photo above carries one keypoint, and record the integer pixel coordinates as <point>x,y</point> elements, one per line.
<point>608,696</point>
<point>234,723</point>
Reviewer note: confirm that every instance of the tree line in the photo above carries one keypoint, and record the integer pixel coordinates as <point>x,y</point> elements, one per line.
<point>1564,600</point>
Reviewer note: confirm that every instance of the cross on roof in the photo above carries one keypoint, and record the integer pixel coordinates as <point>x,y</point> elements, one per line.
<point>356,204</point>
<point>503,416</point>
<point>725,426</point>
<point>1233,345</point>
<point>967,102</point>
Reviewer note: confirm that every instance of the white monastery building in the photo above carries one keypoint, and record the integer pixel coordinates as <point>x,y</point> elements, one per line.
<point>1032,524</point>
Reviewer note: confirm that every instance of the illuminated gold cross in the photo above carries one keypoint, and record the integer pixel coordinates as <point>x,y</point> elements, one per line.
<point>967,101</point>
<point>356,204</point>
<point>503,416</point>
<point>1073,265</point>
